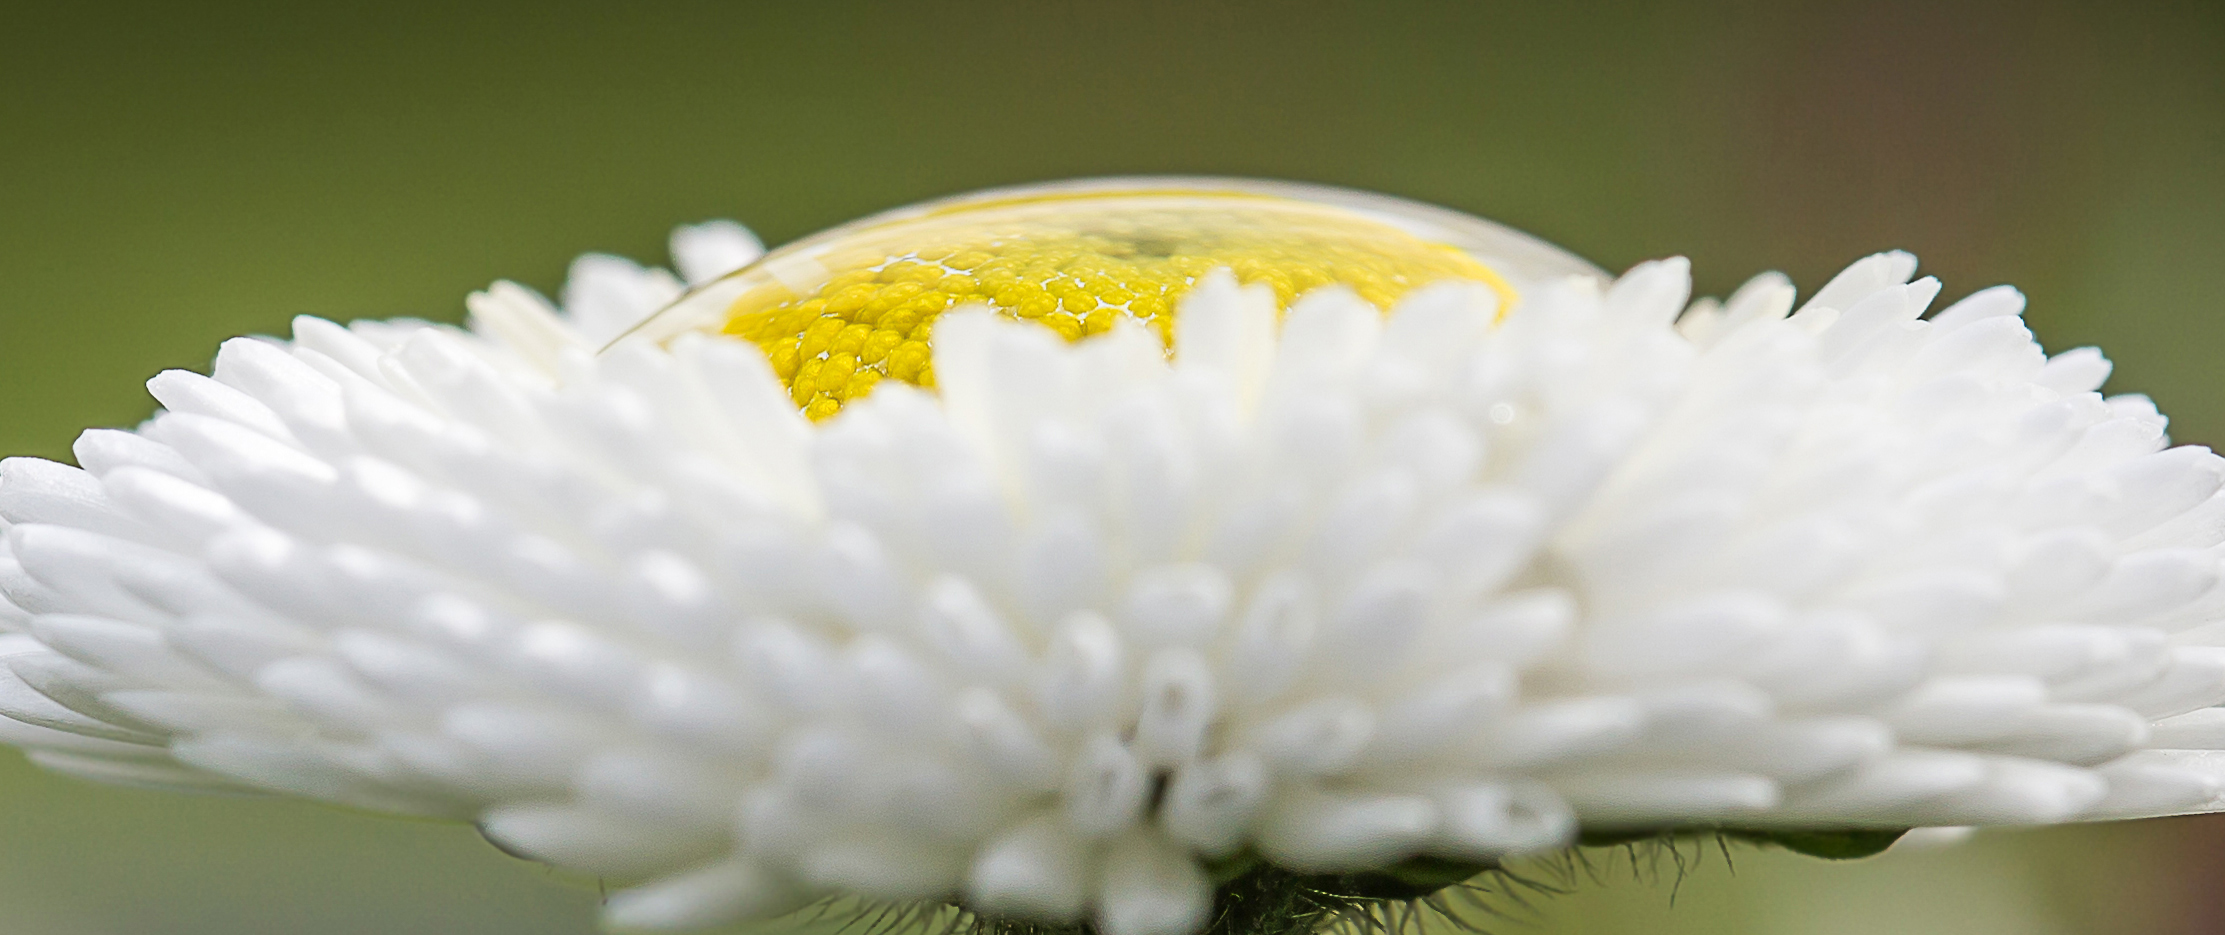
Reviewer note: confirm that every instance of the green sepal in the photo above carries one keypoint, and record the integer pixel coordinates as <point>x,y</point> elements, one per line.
<point>1838,844</point>
<point>1852,844</point>
<point>1589,838</point>
<point>1224,869</point>
<point>1412,878</point>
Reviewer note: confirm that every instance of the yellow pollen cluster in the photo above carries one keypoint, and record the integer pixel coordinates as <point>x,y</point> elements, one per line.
<point>838,314</point>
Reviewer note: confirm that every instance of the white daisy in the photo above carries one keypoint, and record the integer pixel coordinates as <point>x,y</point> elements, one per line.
<point>1089,632</point>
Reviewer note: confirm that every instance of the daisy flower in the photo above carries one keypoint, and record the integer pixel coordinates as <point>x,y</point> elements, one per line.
<point>1139,556</point>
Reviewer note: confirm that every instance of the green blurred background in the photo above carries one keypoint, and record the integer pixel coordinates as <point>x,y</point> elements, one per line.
<point>170,178</point>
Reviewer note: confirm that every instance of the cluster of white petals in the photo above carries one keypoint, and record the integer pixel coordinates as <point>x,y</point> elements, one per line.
<point>1332,587</point>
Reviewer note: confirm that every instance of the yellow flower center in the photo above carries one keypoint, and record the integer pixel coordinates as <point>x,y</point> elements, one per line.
<point>841,311</point>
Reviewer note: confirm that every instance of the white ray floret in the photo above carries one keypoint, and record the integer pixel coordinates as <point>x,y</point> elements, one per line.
<point>1338,589</point>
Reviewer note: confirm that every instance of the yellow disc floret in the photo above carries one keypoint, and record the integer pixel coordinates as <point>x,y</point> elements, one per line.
<point>840,312</point>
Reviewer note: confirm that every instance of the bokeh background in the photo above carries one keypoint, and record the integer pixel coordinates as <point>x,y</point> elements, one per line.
<point>171,178</point>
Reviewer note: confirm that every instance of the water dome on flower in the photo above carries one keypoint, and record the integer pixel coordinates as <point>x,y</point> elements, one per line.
<point>1086,555</point>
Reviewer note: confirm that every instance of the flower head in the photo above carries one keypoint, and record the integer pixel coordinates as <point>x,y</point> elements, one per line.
<point>1355,558</point>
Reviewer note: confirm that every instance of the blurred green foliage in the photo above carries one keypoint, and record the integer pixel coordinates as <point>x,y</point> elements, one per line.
<point>170,178</point>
